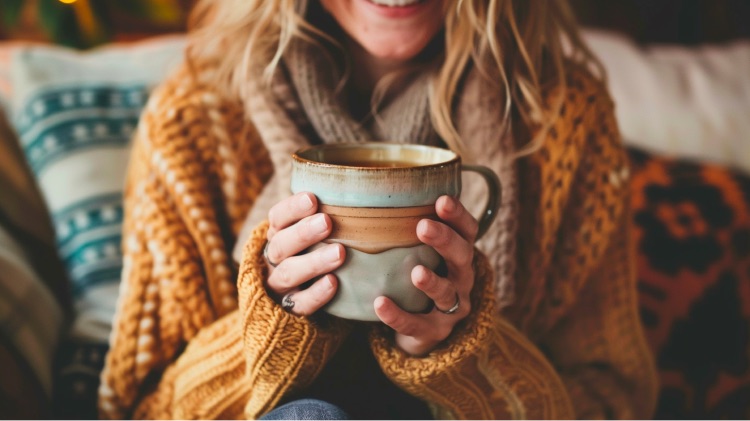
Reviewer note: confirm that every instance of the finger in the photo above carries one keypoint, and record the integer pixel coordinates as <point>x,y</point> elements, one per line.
<point>455,250</point>
<point>453,213</point>
<point>310,300</point>
<point>442,291</point>
<point>296,270</point>
<point>294,239</point>
<point>291,210</point>
<point>416,333</point>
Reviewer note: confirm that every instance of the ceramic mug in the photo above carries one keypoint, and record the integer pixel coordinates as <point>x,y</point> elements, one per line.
<point>375,194</point>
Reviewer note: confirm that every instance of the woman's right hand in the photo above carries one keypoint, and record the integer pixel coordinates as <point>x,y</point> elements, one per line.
<point>294,226</point>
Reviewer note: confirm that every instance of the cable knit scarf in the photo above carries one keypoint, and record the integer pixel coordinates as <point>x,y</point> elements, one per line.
<point>303,107</point>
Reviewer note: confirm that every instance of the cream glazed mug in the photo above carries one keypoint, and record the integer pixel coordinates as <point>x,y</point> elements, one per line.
<point>375,194</point>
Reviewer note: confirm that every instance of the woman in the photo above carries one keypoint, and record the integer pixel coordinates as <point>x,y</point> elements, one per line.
<point>546,324</point>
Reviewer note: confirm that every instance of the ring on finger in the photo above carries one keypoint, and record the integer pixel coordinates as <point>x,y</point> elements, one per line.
<point>287,303</point>
<point>452,309</point>
<point>265,255</point>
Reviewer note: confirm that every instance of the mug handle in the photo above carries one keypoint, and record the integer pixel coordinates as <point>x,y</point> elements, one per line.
<point>493,199</point>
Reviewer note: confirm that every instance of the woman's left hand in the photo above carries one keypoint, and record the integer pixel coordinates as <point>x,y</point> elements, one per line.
<point>453,239</point>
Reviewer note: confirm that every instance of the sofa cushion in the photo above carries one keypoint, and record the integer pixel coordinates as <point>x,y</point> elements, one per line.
<point>692,232</point>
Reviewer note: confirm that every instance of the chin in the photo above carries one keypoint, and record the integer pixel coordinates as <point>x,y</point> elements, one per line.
<point>389,29</point>
<point>399,53</point>
<point>392,51</point>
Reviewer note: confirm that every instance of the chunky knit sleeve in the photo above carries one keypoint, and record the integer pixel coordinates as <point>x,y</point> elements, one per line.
<point>485,370</point>
<point>587,317</point>
<point>572,345</point>
<point>192,337</point>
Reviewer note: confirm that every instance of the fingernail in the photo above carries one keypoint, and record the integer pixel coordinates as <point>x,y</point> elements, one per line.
<point>379,303</point>
<point>305,202</point>
<point>426,229</point>
<point>332,253</point>
<point>449,204</point>
<point>420,272</point>
<point>329,282</point>
<point>318,224</point>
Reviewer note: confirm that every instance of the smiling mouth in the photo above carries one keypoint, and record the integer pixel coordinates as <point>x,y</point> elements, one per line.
<point>396,3</point>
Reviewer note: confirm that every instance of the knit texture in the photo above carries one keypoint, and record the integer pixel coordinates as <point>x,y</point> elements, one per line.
<point>190,342</point>
<point>304,107</point>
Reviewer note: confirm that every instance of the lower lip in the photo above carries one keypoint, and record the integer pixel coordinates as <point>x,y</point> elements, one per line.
<point>398,11</point>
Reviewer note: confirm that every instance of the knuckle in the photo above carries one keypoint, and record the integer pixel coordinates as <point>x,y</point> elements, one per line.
<point>465,309</point>
<point>398,324</point>
<point>445,237</point>
<point>274,218</point>
<point>282,278</point>
<point>465,257</point>
<point>273,254</point>
<point>271,232</point>
<point>473,228</point>
<point>301,233</point>
<point>448,296</point>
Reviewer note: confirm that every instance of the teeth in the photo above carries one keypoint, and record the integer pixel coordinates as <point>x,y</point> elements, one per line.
<point>395,3</point>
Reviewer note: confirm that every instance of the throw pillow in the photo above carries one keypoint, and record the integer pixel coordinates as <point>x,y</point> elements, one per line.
<point>692,233</point>
<point>687,101</point>
<point>75,113</point>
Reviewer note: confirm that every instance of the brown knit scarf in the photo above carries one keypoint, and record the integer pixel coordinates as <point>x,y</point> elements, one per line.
<point>307,110</point>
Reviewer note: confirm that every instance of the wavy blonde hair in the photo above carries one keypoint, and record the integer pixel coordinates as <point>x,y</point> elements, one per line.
<point>519,45</point>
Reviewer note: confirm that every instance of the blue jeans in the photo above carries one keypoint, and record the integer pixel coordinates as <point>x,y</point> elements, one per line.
<point>306,409</point>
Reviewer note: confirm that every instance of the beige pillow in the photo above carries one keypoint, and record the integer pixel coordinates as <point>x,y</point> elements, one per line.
<point>684,101</point>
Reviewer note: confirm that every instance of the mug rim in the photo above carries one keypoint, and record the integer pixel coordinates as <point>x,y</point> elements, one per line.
<point>372,145</point>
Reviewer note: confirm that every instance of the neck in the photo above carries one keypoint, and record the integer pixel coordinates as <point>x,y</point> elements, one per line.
<point>367,69</point>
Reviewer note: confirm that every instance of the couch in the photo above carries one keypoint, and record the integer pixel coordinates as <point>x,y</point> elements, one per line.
<point>64,141</point>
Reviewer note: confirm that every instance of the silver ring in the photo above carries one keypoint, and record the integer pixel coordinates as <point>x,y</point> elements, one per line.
<point>286,303</point>
<point>265,255</point>
<point>452,309</point>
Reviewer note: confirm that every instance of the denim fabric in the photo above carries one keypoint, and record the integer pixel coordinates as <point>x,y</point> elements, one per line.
<point>306,409</point>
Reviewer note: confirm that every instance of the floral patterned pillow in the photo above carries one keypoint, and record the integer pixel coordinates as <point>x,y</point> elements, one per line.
<point>692,233</point>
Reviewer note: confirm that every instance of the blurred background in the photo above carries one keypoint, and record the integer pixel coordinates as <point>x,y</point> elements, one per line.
<point>83,23</point>
<point>678,73</point>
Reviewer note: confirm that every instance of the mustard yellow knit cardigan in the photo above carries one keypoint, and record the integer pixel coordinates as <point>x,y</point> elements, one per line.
<point>194,338</point>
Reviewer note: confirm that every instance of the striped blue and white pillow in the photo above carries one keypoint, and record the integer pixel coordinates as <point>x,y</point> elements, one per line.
<point>76,140</point>
<point>75,114</point>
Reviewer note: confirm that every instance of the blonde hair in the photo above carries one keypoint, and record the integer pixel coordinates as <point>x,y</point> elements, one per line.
<point>520,45</point>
